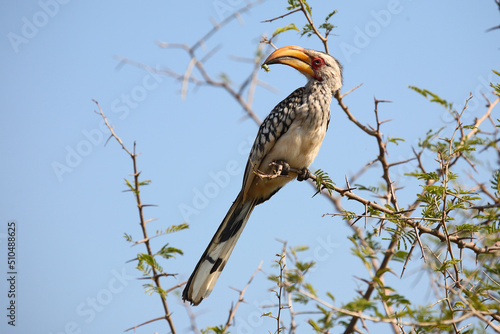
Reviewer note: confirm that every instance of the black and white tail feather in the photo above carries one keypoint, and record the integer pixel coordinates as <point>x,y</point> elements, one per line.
<point>208,269</point>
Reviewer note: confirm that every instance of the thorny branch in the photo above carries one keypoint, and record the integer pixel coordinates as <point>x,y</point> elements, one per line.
<point>140,206</point>
<point>232,311</point>
<point>388,320</point>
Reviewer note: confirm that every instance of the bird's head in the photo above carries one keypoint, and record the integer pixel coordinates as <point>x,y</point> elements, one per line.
<point>317,66</point>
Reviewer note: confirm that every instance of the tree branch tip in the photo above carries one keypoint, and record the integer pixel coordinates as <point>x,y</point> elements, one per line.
<point>381,101</point>
<point>162,44</point>
<point>341,96</point>
<point>235,289</point>
<point>282,16</point>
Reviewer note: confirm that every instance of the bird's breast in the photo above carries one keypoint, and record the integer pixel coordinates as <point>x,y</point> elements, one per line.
<point>300,145</point>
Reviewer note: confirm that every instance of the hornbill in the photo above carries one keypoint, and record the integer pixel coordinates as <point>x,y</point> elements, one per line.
<point>290,136</point>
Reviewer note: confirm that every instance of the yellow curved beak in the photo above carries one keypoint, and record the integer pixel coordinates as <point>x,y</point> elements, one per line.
<point>293,56</point>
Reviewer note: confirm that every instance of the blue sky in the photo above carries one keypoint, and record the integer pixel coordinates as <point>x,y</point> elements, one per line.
<point>63,187</point>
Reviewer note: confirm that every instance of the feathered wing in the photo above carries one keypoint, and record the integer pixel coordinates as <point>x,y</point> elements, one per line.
<point>213,260</point>
<point>272,128</point>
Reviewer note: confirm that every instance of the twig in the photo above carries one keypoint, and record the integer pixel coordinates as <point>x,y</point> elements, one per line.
<point>481,120</point>
<point>282,16</point>
<point>144,323</point>
<point>350,91</point>
<point>232,311</point>
<point>316,31</point>
<point>342,105</point>
<point>155,277</point>
<point>175,287</point>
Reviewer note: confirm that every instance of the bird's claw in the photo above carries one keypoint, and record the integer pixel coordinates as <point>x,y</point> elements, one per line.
<point>281,167</point>
<point>303,174</point>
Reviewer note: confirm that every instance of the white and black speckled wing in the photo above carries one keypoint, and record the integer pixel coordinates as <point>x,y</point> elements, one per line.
<point>272,128</point>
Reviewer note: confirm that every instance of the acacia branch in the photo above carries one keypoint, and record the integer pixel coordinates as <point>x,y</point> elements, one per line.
<point>232,311</point>
<point>386,320</point>
<point>339,97</point>
<point>316,31</point>
<point>155,277</point>
<point>392,215</point>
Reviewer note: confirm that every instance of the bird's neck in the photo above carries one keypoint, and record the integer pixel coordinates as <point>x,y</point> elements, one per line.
<point>318,88</point>
<point>319,92</point>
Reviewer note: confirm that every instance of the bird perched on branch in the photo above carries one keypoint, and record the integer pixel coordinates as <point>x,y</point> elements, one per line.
<point>290,136</point>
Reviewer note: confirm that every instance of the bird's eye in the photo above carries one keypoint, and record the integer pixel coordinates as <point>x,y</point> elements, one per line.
<point>317,62</point>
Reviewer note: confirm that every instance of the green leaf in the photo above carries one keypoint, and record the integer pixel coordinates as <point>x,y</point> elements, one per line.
<point>307,30</point>
<point>293,4</point>
<point>214,329</point>
<point>349,215</point>
<point>371,189</point>
<point>373,212</point>
<point>315,326</point>
<point>447,264</point>
<point>432,97</point>
<point>394,140</point>
<point>330,15</point>
<point>400,256</point>
<point>150,262</point>
<point>323,181</point>
<point>144,183</point>
<point>301,299</point>
<point>467,228</point>
<point>304,266</point>
<point>496,87</point>
<point>359,304</point>
<point>278,31</point>
<point>495,183</point>
<point>130,187</point>
<point>301,248</point>
<point>168,252</point>
<point>310,289</point>
<point>176,228</point>
<point>172,229</point>
<point>425,176</point>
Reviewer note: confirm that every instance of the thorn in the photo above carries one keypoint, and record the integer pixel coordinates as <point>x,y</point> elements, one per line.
<point>351,90</point>
<point>110,136</point>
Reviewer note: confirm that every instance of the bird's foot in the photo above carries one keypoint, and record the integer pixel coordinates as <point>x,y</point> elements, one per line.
<point>280,167</point>
<point>303,174</point>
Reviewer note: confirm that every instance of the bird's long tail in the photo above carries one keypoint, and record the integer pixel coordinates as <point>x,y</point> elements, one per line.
<point>208,269</point>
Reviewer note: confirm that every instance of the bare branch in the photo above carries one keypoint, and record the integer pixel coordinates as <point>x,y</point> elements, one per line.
<point>232,311</point>
<point>136,185</point>
<point>282,16</point>
<point>144,323</point>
